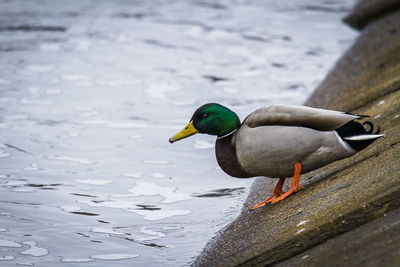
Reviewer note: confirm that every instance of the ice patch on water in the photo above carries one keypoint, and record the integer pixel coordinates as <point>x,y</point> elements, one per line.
<point>53,91</point>
<point>69,159</point>
<point>34,250</point>
<point>69,208</point>
<point>89,113</point>
<point>124,38</point>
<point>135,136</point>
<point>183,103</point>
<point>28,101</point>
<point>3,154</point>
<point>32,167</point>
<point>152,234</point>
<point>75,77</point>
<point>179,121</point>
<point>25,263</point>
<point>111,204</point>
<point>6,258</point>
<point>114,256</point>
<point>160,90</point>
<point>203,145</point>
<point>84,108</point>
<point>156,162</point>
<point>150,189</point>
<point>73,134</point>
<point>94,182</point>
<point>76,260</point>
<point>24,190</point>
<point>155,215</point>
<point>2,176</point>
<point>133,175</point>
<point>157,175</point>
<point>230,90</point>
<point>79,44</point>
<point>50,47</point>
<point>105,231</point>
<point>78,79</point>
<point>33,90</point>
<point>127,124</point>
<point>3,229</point>
<point>9,243</point>
<point>7,99</point>
<point>16,117</point>
<point>84,83</point>
<point>40,68</point>
<point>114,83</point>
<point>118,124</point>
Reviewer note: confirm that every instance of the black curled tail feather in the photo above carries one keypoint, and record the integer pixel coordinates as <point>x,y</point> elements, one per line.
<point>371,128</point>
<point>356,128</point>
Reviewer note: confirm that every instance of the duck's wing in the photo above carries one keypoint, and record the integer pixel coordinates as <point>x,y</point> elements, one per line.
<point>288,115</point>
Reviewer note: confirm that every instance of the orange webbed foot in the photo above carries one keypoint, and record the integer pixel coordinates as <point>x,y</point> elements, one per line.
<point>277,192</point>
<point>295,184</point>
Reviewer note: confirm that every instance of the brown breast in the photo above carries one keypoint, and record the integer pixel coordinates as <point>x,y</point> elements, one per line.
<point>225,150</point>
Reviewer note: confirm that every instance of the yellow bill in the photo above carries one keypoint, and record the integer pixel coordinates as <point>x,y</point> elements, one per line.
<point>186,132</point>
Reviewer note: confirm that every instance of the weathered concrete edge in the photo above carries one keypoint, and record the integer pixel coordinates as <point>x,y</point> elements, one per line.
<point>363,239</point>
<point>366,12</point>
<point>342,224</point>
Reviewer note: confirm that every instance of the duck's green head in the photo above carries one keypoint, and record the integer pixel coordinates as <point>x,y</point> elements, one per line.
<point>211,118</point>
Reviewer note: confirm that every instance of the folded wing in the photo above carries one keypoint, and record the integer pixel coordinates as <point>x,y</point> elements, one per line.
<point>288,115</point>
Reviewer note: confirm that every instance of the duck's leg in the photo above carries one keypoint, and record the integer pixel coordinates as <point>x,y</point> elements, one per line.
<point>277,192</point>
<point>295,184</point>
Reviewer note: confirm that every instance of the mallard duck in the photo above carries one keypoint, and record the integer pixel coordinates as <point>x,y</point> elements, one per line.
<point>280,140</point>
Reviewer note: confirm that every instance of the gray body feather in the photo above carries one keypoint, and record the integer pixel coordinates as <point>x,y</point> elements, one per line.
<point>272,139</point>
<point>272,150</point>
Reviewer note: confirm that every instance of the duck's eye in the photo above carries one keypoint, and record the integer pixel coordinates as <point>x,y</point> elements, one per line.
<point>205,115</point>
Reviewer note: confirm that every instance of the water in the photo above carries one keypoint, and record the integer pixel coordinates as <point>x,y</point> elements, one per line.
<point>92,90</point>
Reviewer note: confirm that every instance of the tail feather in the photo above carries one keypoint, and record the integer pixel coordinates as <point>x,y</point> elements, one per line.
<point>362,137</point>
<point>357,136</point>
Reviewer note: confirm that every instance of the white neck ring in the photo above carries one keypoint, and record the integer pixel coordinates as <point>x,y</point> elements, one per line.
<point>223,136</point>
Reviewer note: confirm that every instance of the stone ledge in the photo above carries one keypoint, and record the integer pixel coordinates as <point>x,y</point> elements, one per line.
<point>374,244</point>
<point>367,11</point>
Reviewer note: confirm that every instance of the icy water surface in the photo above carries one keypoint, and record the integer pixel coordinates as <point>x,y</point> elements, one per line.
<point>92,90</point>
